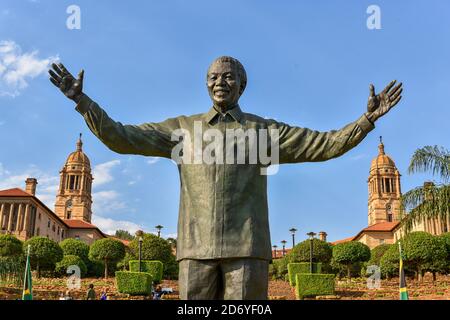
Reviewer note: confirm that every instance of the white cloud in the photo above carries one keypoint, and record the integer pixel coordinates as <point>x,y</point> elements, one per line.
<point>102,172</point>
<point>105,202</point>
<point>46,188</point>
<point>110,226</point>
<point>17,68</point>
<point>152,160</point>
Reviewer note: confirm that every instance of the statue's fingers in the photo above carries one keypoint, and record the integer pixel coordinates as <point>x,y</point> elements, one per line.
<point>393,103</point>
<point>54,76</point>
<point>81,75</point>
<point>63,69</point>
<point>396,89</point>
<point>56,83</point>
<point>396,94</point>
<point>58,70</point>
<point>390,85</point>
<point>372,90</point>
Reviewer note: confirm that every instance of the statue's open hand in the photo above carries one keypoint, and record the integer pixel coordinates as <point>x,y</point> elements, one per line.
<point>380,104</point>
<point>65,81</point>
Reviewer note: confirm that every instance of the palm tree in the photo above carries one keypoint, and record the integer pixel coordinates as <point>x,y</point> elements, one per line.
<point>159,227</point>
<point>432,200</point>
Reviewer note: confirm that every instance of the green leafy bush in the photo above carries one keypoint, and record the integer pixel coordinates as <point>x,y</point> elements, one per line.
<point>74,247</point>
<point>44,253</point>
<point>155,268</point>
<point>66,262</point>
<point>376,254</point>
<point>308,284</point>
<point>10,246</point>
<point>108,251</point>
<point>349,254</point>
<point>12,270</point>
<point>322,252</point>
<point>156,248</point>
<point>301,267</point>
<point>134,283</point>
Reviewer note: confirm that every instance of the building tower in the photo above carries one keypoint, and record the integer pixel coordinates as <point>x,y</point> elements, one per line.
<point>74,199</point>
<point>384,189</point>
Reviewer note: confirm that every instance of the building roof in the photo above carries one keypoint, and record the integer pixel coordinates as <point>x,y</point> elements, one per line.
<point>78,157</point>
<point>125,242</point>
<point>382,226</point>
<point>382,160</point>
<point>15,192</point>
<point>80,224</point>
<point>342,240</point>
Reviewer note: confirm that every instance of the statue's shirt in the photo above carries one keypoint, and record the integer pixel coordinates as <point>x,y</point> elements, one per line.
<point>223,207</point>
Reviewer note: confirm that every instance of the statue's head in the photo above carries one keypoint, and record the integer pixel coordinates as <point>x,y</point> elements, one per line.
<point>226,81</point>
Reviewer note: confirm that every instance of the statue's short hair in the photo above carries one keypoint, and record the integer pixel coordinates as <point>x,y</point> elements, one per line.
<point>240,68</point>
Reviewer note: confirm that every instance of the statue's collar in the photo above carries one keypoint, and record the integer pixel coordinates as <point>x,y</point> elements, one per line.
<point>235,113</point>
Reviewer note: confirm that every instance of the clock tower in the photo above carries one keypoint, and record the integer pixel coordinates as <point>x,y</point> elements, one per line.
<point>384,189</point>
<point>74,200</point>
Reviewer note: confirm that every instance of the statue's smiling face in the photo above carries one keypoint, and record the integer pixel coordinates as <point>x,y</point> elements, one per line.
<point>224,84</point>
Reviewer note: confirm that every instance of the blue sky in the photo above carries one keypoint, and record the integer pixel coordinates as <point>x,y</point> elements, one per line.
<point>309,64</point>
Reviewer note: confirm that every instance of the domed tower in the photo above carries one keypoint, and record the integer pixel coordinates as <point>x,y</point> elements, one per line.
<point>74,199</point>
<point>384,189</point>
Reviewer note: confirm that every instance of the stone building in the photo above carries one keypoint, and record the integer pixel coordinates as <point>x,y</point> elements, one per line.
<point>384,206</point>
<point>23,215</point>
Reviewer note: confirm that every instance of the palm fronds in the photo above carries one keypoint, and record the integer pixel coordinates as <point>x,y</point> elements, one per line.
<point>432,159</point>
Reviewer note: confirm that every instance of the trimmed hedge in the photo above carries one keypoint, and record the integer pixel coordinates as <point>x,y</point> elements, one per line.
<point>301,267</point>
<point>155,268</point>
<point>314,285</point>
<point>134,283</point>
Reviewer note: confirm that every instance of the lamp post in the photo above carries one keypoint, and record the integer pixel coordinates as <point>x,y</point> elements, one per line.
<point>311,238</point>
<point>293,230</point>
<point>159,227</point>
<point>275,250</point>
<point>283,242</point>
<point>139,235</point>
<point>140,253</point>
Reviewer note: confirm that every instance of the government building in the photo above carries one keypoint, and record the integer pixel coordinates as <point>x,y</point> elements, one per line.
<point>384,206</point>
<point>23,215</point>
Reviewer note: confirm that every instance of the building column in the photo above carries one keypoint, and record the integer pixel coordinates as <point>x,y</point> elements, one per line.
<point>11,217</point>
<point>2,212</point>
<point>20,217</point>
<point>26,218</point>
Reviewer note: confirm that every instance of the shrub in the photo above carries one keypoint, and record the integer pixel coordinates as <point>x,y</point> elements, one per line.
<point>312,284</point>
<point>279,268</point>
<point>424,252</point>
<point>12,270</point>
<point>10,246</point>
<point>155,268</point>
<point>66,262</point>
<point>74,247</point>
<point>109,251</point>
<point>389,262</point>
<point>44,253</point>
<point>134,283</point>
<point>350,253</point>
<point>301,267</point>
<point>153,248</point>
<point>171,269</point>
<point>376,254</point>
<point>322,252</point>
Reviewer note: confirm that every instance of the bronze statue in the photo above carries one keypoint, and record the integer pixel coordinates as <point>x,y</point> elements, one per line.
<point>224,244</point>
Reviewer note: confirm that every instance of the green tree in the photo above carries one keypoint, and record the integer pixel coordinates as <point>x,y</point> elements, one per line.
<point>377,253</point>
<point>322,252</point>
<point>431,200</point>
<point>424,252</point>
<point>446,238</point>
<point>66,262</point>
<point>124,235</point>
<point>44,253</point>
<point>350,253</point>
<point>109,251</point>
<point>10,246</point>
<point>156,248</point>
<point>389,262</point>
<point>76,248</point>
